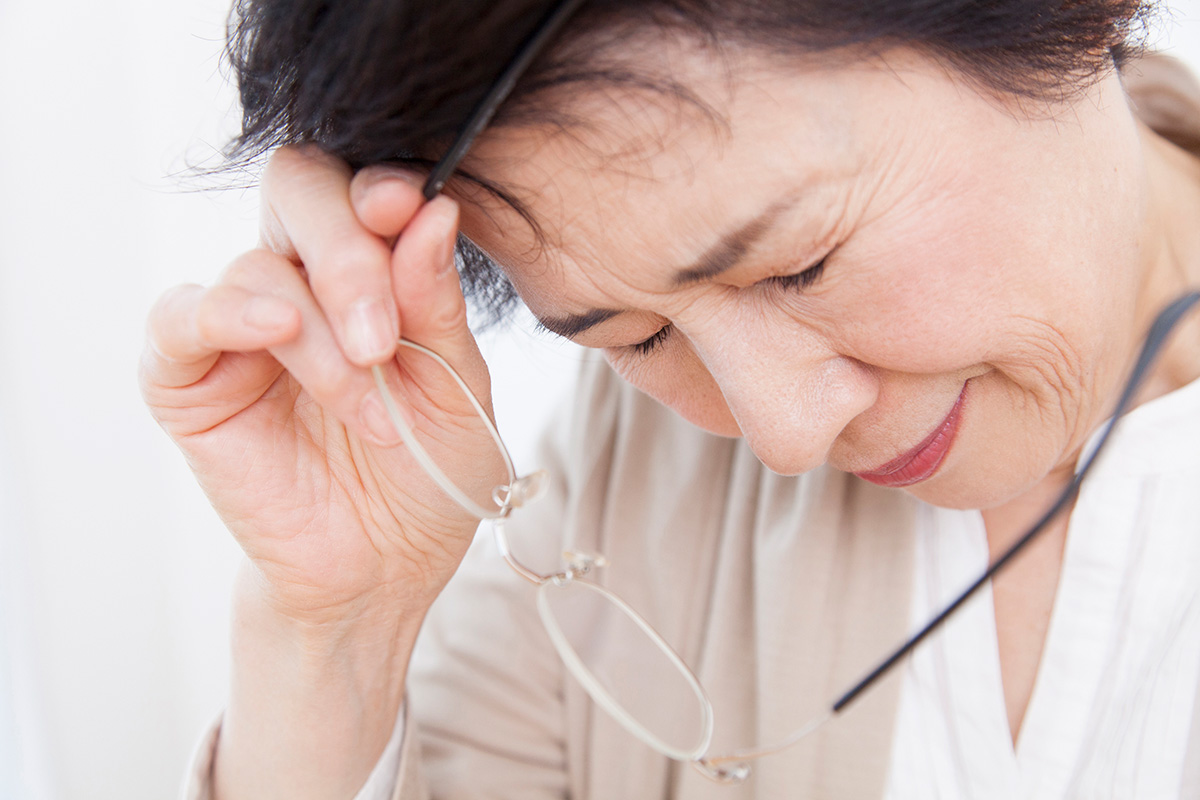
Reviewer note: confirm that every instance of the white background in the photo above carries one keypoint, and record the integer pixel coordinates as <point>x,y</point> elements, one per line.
<point>114,572</point>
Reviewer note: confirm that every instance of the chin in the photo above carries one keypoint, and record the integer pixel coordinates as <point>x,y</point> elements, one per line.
<point>951,495</point>
<point>959,487</point>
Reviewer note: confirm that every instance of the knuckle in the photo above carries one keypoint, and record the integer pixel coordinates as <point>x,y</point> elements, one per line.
<point>271,233</point>
<point>211,316</point>
<point>451,314</point>
<point>167,303</point>
<point>350,256</point>
<point>147,380</point>
<point>278,165</point>
<point>299,162</point>
<point>253,268</point>
<point>290,158</point>
<point>165,316</point>
<point>339,386</point>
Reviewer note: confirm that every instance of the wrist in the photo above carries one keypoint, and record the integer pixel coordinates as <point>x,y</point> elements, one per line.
<point>372,632</point>
<point>313,698</point>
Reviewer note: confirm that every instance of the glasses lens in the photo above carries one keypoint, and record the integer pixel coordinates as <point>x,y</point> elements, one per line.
<point>446,430</point>
<point>627,668</point>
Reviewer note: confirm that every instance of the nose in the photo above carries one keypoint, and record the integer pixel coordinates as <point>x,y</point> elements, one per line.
<point>790,391</point>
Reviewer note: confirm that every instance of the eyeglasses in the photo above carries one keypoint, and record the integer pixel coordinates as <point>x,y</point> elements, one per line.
<point>647,688</point>
<point>651,692</point>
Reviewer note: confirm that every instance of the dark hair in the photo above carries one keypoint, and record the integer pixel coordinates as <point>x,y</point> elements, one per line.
<point>384,80</point>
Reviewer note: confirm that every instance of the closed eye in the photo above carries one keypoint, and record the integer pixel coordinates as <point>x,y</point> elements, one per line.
<point>798,280</point>
<point>648,346</point>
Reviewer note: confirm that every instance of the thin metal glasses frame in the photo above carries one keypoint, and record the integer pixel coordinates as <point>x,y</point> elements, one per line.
<point>542,36</point>
<point>731,767</point>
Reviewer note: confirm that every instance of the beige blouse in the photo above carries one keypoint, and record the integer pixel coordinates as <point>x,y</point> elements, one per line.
<point>778,591</point>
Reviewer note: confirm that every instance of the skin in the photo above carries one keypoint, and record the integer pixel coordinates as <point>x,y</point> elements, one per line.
<point>969,242</point>
<point>1019,250</point>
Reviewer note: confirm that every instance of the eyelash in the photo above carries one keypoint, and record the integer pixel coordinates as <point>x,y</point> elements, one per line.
<point>796,281</point>
<point>650,345</point>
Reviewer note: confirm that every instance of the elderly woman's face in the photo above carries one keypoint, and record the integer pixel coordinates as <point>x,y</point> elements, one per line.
<point>873,266</point>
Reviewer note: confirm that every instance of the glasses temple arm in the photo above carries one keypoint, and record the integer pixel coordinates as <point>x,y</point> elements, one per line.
<point>482,115</point>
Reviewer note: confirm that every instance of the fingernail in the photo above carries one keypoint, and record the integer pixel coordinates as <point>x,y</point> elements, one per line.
<point>370,332</point>
<point>360,189</point>
<point>411,178</point>
<point>391,172</point>
<point>375,419</point>
<point>267,313</point>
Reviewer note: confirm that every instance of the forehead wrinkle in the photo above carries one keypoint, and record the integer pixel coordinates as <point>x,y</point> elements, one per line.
<point>565,268</point>
<point>605,160</point>
<point>720,257</point>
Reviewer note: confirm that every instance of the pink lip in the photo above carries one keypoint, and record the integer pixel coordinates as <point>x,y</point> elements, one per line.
<point>922,461</point>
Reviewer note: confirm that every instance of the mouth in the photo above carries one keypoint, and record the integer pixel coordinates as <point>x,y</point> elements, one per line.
<point>921,462</point>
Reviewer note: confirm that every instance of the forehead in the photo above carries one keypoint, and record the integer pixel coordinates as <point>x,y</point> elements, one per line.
<point>636,179</point>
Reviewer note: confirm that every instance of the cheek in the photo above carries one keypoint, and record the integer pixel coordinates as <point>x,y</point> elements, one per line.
<point>949,282</point>
<point>1032,309</point>
<point>908,310</point>
<point>676,378</point>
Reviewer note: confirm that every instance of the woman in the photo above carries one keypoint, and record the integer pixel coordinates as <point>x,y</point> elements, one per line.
<point>904,253</point>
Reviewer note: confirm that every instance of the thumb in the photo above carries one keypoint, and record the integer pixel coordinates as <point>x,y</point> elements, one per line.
<point>433,311</point>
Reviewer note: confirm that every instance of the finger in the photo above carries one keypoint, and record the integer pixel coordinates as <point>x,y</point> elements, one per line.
<point>308,218</point>
<point>385,197</point>
<point>429,295</point>
<point>289,171</point>
<point>190,327</point>
<point>313,356</point>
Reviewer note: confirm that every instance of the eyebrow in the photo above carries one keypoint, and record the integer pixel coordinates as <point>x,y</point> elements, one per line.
<point>726,254</point>
<point>732,248</point>
<point>575,324</point>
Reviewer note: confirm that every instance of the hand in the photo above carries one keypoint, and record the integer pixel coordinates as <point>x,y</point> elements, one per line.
<point>262,381</point>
